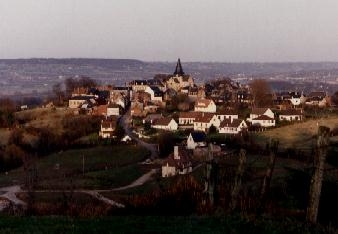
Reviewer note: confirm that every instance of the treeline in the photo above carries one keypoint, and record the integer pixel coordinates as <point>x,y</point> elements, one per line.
<point>19,151</point>
<point>63,91</point>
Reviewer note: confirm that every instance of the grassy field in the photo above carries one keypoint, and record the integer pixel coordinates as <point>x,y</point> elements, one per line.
<point>44,117</point>
<point>298,135</point>
<point>155,224</point>
<point>104,167</point>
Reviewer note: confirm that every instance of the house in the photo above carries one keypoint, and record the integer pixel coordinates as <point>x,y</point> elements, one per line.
<point>196,139</point>
<point>179,79</point>
<point>138,85</point>
<point>100,110</point>
<point>263,121</point>
<point>188,118</point>
<point>151,118</point>
<point>232,126</point>
<point>291,115</point>
<point>151,108</point>
<point>205,121</point>
<point>256,112</point>
<point>205,105</point>
<point>119,98</point>
<point>78,101</point>
<point>177,163</point>
<point>165,123</point>
<point>136,109</point>
<point>155,93</point>
<point>226,114</point>
<point>113,110</point>
<point>316,99</point>
<point>107,128</point>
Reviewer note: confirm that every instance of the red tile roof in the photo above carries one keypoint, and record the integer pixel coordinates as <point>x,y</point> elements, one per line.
<point>162,121</point>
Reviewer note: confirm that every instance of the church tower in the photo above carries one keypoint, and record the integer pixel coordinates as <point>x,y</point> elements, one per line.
<point>179,69</point>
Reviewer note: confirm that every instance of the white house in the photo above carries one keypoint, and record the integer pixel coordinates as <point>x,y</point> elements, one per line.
<point>295,100</point>
<point>263,121</point>
<point>205,105</point>
<point>155,93</point>
<point>316,99</point>
<point>177,163</point>
<point>233,126</point>
<point>226,114</point>
<point>78,101</point>
<point>113,109</point>
<point>291,115</point>
<point>196,139</point>
<point>188,118</point>
<point>256,112</point>
<point>204,122</point>
<point>107,128</point>
<point>165,123</point>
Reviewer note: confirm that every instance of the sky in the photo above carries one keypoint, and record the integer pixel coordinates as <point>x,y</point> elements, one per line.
<point>163,30</point>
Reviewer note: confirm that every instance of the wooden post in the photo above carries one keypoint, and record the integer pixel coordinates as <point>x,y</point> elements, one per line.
<point>317,177</point>
<point>272,147</point>
<point>211,172</point>
<point>238,179</point>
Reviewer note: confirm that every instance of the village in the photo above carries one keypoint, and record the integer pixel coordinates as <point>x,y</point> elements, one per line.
<point>174,103</point>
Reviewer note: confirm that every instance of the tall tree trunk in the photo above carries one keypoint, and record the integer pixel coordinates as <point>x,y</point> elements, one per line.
<point>317,177</point>
<point>238,180</point>
<point>272,148</point>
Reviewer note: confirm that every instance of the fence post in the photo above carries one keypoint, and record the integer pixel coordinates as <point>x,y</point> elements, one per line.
<point>318,172</point>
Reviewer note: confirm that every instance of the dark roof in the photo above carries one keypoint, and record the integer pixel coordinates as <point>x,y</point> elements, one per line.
<point>162,121</point>
<point>113,105</point>
<point>189,115</point>
<point>154,82</point>
<point>263,117</point>
<point>291,112</point>
<point>121,88</point>
<point>139,82</point>
<point>179,69</point>
<point>204,118</point>
<point>317,94</point>
<point>198,136</point>
<point>157,91</point>
<point>81,98</point>
<point>226,112</point>
<point>182,162</point>
<point>227,123</point>
<point>259,111</point>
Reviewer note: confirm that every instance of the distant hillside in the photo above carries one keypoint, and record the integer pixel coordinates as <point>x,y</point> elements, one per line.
<point>26,75</point>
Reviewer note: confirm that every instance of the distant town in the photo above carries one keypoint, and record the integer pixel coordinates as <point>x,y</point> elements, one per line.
<point>174,143</point>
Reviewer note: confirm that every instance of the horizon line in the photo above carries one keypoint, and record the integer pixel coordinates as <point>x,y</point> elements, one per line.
<point>173,61</point>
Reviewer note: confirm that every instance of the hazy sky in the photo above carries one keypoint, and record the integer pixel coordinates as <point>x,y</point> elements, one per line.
<point>162,30</point>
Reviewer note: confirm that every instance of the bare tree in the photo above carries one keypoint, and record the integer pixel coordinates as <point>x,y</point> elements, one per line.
<point>261,93</point>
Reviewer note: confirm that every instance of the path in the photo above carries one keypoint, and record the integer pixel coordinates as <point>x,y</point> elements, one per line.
<point>125,122</point>
<point>139,181</point>
<point>10,192</point>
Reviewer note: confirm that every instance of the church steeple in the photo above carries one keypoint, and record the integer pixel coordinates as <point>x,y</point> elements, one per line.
<point>179,69</point>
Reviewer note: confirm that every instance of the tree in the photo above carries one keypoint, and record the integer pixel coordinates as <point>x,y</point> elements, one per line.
<point>58,92</point>
<point>261,93</point>
<point>166,143</point>
<point>212,129</point>
<point>334,98</point>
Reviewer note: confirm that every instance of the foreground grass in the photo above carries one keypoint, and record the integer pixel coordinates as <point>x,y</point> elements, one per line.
<point>98,167</point>
<point>152,224</point>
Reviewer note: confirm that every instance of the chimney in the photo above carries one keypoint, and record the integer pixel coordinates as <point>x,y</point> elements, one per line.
<point>176,155</point>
